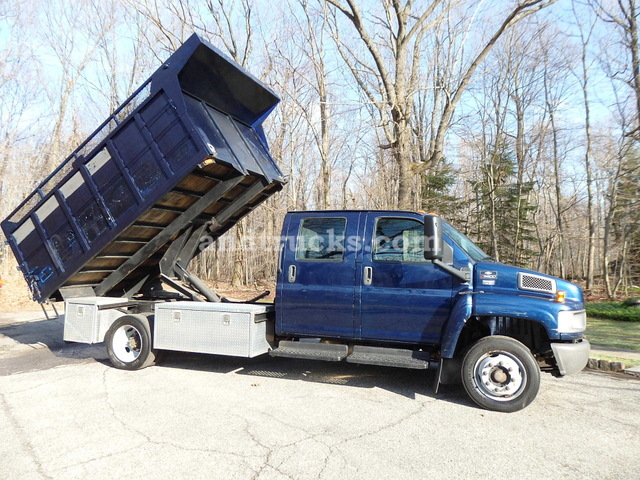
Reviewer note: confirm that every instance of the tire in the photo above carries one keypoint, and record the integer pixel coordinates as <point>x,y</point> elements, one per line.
<point>500,374</point>
<point>129,343</point>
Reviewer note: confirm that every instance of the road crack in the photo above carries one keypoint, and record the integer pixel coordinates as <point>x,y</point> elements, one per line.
<point>149,440</point>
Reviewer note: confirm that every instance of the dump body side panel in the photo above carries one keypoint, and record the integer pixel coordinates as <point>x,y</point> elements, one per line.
<point>186,149</point>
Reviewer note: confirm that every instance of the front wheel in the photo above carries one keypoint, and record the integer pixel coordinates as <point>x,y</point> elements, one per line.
<point>129,343</point>
<point>500,373</point>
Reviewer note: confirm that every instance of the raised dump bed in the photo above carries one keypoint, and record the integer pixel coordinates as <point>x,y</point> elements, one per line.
<point>184,156</point>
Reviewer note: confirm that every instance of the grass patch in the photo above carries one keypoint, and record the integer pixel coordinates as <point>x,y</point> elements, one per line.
<point>610,333</point>
<point>613,311</point>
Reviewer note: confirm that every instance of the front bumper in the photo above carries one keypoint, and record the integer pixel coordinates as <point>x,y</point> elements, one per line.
<point>571,357</point>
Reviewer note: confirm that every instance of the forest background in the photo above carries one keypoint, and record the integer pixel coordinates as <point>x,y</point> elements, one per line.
<point>518,122</point>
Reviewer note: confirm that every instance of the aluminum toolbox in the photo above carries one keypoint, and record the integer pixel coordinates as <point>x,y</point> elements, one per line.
<point>235,329</point>
<point>86,320</point>
<point>185,151</point>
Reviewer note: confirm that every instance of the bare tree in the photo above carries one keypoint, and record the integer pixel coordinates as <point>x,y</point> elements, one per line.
<point>167,24</point>
<point>20,96</point>
<point>122,62</point>
<point>623,16</point>
<point>620,60</point>
<point>519,12</point>
<point>313,33</point>
<point>394,85</point>
<point>585,31</point>
<point>71,44</point>
<point>552,101</point>
<point>396,81</point>
<point>375,111</point>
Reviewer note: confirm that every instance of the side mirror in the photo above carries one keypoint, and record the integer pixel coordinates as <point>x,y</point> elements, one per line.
<point>432,237</point>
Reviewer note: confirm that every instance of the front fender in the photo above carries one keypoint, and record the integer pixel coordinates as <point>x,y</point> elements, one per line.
<point>539,310</point>
<point>458,317</point>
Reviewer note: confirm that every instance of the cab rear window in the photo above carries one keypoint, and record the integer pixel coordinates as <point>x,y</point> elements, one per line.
<point>321,239</point>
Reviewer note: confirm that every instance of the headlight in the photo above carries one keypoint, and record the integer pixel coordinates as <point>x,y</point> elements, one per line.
<point>572,321</point>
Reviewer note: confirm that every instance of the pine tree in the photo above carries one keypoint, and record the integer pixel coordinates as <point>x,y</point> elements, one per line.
<point>504,211</point>
<point>436,191</point>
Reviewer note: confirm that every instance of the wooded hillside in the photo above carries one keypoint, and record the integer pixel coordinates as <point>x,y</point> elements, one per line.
<point>518,122</point>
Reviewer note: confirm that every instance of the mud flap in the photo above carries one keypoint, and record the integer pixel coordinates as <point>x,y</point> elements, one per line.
<point>448,373</point>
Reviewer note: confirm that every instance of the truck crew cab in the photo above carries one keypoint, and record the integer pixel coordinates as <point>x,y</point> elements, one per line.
<point>370,289</point>
<point>113,229</point>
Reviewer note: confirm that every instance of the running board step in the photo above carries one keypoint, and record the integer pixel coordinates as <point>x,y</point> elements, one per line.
<point>389,357</point>
<point>311,351</point>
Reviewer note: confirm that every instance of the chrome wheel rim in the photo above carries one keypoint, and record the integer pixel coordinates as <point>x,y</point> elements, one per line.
<point>500,376</point>
<point>126,343</point>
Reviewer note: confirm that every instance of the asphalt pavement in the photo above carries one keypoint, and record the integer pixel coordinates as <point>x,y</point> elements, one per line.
<point>66,414</point>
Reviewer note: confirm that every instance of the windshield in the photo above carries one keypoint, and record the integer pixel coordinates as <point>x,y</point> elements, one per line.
<point>464,243</point>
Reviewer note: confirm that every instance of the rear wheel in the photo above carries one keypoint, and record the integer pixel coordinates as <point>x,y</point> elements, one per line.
<point>500,373</point>
<point>129,343</point>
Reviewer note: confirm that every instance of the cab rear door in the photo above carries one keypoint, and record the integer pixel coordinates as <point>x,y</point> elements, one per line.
<point>317,275</point>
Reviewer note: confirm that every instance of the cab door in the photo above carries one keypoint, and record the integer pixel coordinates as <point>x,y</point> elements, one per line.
<point>402,297</point>
<point>316,284</point>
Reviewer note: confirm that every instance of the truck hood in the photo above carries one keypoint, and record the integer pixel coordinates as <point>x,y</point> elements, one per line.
<point>495,277</point>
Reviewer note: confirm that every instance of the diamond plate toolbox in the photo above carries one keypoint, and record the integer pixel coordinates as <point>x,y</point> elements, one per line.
<point>235,329</point>
<point>86,322</point>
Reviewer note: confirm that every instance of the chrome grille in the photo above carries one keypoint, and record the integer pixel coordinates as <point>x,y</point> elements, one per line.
<point>536,283</point>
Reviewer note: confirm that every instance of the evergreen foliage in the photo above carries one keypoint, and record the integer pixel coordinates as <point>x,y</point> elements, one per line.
<point>504,212</point>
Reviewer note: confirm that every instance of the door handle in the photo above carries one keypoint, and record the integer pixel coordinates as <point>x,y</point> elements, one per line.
<point>292,273</point>
<point>281,259</point>
<point>368,275</point>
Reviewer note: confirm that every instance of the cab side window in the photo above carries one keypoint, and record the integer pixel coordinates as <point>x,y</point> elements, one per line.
<point>321,239</point>
<point>399,240</point>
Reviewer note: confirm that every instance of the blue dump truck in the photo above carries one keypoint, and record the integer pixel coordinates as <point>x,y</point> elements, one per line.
<point>112,232</point>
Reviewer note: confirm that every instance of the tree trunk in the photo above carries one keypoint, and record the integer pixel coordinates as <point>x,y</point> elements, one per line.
<point>520,160</point>
<point>237,277</point>
<point>558,197</point>
<point>591,254</point>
